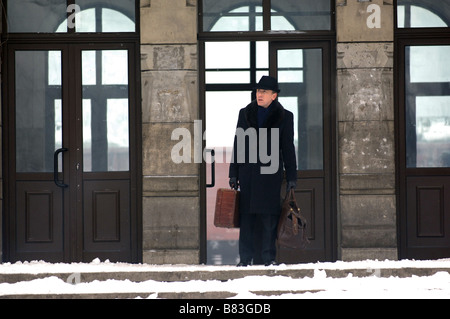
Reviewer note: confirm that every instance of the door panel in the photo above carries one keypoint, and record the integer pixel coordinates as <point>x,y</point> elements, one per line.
<point>310,198</point>
<point>107,219</point>
<point>39,220</point>
<point>428,236</point>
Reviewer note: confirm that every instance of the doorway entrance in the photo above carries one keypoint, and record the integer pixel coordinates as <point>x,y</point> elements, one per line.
<point>304,74</point>
<point>71,140</point>
<point>424,139</point>
<point>423,135</point>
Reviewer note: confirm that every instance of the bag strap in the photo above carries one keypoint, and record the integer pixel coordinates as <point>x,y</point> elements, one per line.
<point>295,226</point>
<point>290,196</point>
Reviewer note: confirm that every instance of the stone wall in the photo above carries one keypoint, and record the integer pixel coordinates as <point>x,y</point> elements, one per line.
<point>366,139</point>
<point>171,204</point>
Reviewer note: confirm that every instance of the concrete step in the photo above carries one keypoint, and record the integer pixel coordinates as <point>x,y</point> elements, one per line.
<point>177,274</point>
<point>202,274</point>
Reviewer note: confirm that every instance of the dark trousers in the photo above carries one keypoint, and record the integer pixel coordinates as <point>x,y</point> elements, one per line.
<point>257,237</point>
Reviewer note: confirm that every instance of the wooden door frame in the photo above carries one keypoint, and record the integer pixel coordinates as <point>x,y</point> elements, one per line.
<point>73,219</point>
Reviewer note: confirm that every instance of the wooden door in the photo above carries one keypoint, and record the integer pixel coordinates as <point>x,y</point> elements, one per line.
<point>424,141</point>
<point>71,149</point>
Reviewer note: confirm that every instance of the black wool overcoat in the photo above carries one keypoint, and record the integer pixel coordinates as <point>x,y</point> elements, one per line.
<point>261,193</point>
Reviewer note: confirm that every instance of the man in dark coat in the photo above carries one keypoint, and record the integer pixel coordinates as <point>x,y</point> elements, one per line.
<point>267,129</point>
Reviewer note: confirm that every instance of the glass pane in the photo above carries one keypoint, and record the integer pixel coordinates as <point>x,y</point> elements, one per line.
<point>221,57</point>
<point>429,64</point>
<point>433,131</point>
<point>86,21</point>
<point>227,55</point>
<point>221,119</point>
<point>117,74</point>
<point>427,106</point>
<point>54,68</point>
<point>301,15</point>
<point>105,111</point>
<point>89,67</point>
<point>38,110</point>
<point>280,23</point>
<point>106,16</point>
<point>34,16</point>
<point>232,15</point>
<point>227,77</point>
<point>262,55</point>
<point>222,116</point>
<point>290,66</point>
<point>118,134</point>
<point>300,71</point>
<point>410,14</point>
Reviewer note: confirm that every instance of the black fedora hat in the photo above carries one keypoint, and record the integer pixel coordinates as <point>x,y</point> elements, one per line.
<point>268,83</point>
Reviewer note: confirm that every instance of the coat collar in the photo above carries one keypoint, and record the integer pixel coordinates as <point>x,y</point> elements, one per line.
<point>274,118</point>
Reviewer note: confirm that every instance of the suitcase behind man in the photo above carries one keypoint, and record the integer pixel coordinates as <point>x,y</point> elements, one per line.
<point>227,208</point>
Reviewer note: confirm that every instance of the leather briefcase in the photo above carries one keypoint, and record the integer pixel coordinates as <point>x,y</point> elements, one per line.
<point>227,208</point>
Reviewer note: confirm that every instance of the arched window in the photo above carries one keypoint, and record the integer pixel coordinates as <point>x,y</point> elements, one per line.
<point>260,15</point>
<point>100,20</point>
<point>57,16</point>
<point>415,14</point>
<point>249,18</point>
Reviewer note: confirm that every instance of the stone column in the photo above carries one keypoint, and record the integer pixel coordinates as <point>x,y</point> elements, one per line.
<point>367,210</point>
<point>171,206</point>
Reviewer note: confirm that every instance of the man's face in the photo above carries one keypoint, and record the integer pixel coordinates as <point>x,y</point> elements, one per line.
<point>265,97</point>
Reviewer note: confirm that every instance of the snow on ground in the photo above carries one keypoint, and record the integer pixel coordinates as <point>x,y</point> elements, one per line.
<point>320,286</point>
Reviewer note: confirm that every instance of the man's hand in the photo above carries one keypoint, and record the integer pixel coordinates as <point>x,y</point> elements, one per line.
<point>290,185</point>
<point>234,182</point>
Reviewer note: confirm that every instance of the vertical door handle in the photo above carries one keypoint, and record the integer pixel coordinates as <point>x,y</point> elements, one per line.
<point>213,168</point>
<point>55,167</point>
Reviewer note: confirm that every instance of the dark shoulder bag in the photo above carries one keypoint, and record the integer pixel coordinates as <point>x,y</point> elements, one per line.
<point>292,225</point>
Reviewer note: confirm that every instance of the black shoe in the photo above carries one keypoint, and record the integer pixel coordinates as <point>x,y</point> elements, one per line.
<point>271,263</point>
<point>243,264</point>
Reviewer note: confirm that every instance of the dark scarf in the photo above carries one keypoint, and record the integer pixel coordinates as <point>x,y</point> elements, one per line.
<point>256,118</point>
<point>262,115</point>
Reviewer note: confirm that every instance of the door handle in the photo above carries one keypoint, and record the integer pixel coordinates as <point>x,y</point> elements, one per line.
<point>213,168</point>
<point>55,168</point>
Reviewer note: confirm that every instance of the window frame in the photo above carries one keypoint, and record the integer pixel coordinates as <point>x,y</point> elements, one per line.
<point>413,32</point>
<point>6,35</point>
<point>266,33</point>
<point>273,37</point>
